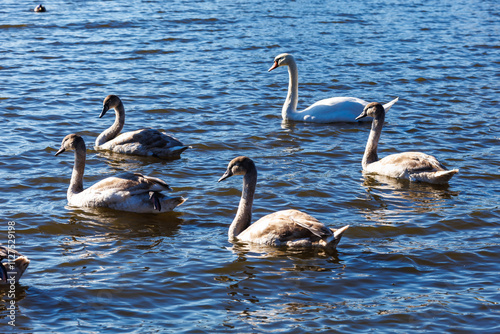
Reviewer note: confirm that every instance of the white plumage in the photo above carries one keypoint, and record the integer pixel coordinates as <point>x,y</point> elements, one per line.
<point>335,109</point>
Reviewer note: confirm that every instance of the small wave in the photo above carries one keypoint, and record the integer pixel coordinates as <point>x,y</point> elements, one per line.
<point>154,51</point>
<point>13,26</point>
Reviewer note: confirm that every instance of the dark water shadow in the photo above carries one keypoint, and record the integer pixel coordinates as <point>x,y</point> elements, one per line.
<point>120,224</point>
<point>415,191</point>
<point>129,161</point>
<point>246,251</point>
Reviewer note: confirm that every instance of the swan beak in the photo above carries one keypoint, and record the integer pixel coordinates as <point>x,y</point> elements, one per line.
<point>273,67</point>
<point>363,115</point>
<point>104,110</point>
<point>227,174</point>
<point>61,150</point>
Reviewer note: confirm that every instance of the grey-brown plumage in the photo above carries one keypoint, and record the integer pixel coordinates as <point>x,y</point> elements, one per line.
<point>133,192</point>
<point>413,166</point>
<point>145,142</point>
<point>290,228</point>
<point>13,267</point>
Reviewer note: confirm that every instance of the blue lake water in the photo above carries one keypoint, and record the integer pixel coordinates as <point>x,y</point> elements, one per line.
<point>417,258</point>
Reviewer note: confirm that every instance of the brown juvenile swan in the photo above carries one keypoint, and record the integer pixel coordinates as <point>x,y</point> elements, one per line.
<point>146,142</point>
<point>15,266</point>
<point>127,192</point>
<point>335,109</point>
<point>290,228</point>
<point>413,166</point>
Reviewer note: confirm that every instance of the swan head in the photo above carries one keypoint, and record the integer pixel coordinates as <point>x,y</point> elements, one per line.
<point>238,166</point>
<point>110,102</point>
<point>71,142</point>
<point>372,109</point>
<point>284,59</point>
<point>40,8</point>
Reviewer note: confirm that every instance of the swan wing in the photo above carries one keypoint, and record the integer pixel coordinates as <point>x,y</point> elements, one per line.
<point>388,105</point>
<point>130,183</point>
<point>129,192</point>
<point>146,142</point>
<point>5,252</point>
<point>318,230</point>
<point>147,137</point>
<point>283,226</point>
<point>413,162</point>
<point>413,166</point>
<point>336,109</point>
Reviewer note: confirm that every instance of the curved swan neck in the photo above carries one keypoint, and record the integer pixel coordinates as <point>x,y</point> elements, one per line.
<point>115,129</point>
<point>244,215</point>
<point>290,105</point>
<point>76,183</point>
<point>372,144</point>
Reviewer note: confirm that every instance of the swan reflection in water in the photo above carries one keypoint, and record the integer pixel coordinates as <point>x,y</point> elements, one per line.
<point>246,250</point>
<point>118,225</point>
<point>395,195</point>
<point>285,280</point>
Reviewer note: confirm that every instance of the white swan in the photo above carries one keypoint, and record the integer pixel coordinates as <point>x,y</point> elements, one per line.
<point>413,166</point>
<point>335,109</point>
<point>127,192</point>
<point>14,268</point>
<point>146,142</point>
<point>290,228</point>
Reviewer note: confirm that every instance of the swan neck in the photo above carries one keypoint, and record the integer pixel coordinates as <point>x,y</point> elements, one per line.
<point>370,155</point>
<point>76,183</point>
<point>115,129</point>
<point>244,214</point>
<point>290,105</point>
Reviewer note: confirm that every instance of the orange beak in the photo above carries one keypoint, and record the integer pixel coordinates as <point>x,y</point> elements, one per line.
<point>273,67</point>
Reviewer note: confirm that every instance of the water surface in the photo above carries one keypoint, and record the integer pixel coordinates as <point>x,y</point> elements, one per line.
<point>416,258</point>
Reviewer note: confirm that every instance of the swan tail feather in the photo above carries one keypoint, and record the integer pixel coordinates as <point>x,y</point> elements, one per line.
<point>333,239</point>
<point>177,150</point>
<point>170,203</point>
<point>388,106</point>
<point>439,177</point>
<point>338,233</point>
<point>446,175</point>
